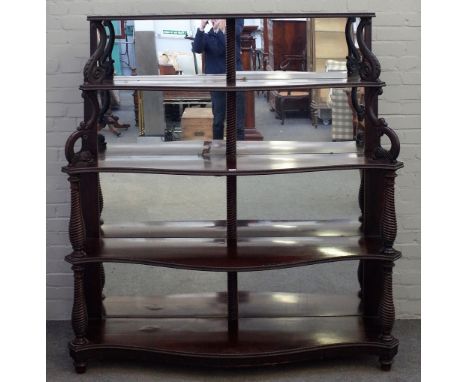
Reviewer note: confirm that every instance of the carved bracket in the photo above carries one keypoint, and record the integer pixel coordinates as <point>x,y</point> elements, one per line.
<point>100,65</point>
<point>381,125</point>
<point>84,157</point>
<point>370,66</point>
<point>353,59</point>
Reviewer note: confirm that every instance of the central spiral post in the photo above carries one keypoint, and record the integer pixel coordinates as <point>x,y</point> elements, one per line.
<point>231,181</point>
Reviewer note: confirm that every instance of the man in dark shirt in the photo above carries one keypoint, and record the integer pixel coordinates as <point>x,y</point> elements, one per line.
<point>213,44</point>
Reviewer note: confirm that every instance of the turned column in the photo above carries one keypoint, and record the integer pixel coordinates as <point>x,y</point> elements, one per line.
<point>77,235</point>
<point>389,231</point>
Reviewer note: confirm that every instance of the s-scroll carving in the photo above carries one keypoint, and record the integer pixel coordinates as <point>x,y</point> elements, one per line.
<point>100,65</point>
<point>353,59</point>
<point>84,157</point>
<point>370,65</point>
<point>382,127</point>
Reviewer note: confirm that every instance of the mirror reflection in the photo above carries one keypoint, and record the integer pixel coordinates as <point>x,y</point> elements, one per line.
<point>196,47</point>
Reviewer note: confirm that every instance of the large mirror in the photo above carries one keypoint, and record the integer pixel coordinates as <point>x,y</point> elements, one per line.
<point>173,47</point>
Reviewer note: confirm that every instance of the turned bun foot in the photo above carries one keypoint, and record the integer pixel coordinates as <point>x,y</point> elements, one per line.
<point>385,364</point>
<point>80,367</point>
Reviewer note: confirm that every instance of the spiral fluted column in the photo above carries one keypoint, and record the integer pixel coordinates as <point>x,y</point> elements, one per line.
<point>389,222</point>
<point>76,227</point>
<point>231,181</point>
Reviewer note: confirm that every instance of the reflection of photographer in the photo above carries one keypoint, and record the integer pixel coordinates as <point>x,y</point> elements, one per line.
<point>213,44</point>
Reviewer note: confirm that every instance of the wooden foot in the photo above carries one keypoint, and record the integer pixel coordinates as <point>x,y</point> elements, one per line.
<point>385,364</point>
<point>80,367</point>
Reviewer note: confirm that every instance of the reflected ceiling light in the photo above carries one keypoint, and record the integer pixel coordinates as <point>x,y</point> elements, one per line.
<point>284,241</point>
<point>288,298</point>
<point>333,251</point>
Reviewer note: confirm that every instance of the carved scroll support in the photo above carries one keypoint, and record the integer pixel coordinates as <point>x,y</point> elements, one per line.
<point>389,222</point>
<point>378,127</point>
<point>76,225</point>
<point>87,133</point>
<point>370,66</point>
<point>353,59</point>
<point>100,65</point>
<point>93,72</point>
<point>106,60</point>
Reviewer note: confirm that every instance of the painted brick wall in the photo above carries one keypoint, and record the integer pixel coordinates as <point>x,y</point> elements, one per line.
<point>396,41</point>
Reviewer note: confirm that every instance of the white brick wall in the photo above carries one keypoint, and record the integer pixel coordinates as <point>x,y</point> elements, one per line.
<point>396,43</point>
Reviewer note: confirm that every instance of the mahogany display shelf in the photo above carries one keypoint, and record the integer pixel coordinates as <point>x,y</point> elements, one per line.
<point>253,158</point>
<point>272,328</point>
<point>234,328</point>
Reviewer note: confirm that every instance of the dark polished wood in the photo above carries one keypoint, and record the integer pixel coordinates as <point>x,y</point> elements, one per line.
<point>235,15</point>
<point>288,38</point>
<point>252,254</point>
<point>234,328</point>
<point>259,341</point>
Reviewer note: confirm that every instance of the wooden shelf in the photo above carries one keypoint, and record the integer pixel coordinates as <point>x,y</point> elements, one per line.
<point>262,244</point>
<point>235,15</point>
<point>211,342</point>
<point>253,253</point>
<point>246,80</point>
<point>253,158</point>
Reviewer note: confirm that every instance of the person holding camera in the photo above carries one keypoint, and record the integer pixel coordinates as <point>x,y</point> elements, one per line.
<point>213,44</point>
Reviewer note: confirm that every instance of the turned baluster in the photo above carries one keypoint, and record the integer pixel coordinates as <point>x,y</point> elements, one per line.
<point>76,226</point>
<point>389,222</point>
<point>387,315</point>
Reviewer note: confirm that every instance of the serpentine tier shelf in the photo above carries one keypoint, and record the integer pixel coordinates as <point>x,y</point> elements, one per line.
<point>245,80</point>
<point>272,328</point>
<point>261,245</point>
<point>253,158</point>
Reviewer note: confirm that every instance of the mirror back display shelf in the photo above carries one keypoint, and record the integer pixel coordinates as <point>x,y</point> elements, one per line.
<point>234,328</point>
<point>248,80</point>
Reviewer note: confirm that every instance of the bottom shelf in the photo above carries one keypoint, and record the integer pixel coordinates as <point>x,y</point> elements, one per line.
<point>266,332</point>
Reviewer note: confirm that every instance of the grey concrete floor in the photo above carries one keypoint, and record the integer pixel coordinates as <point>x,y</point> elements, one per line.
<point>406,366</point>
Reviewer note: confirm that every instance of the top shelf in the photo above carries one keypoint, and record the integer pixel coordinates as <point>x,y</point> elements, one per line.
<point>230,15</point>
<point>245,80</point>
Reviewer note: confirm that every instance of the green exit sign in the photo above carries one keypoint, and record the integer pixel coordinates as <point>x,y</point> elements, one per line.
<point>174,32</point>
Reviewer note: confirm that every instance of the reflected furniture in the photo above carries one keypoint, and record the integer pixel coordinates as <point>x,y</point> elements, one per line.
<point>235,327</point>
<point>326,41</point>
